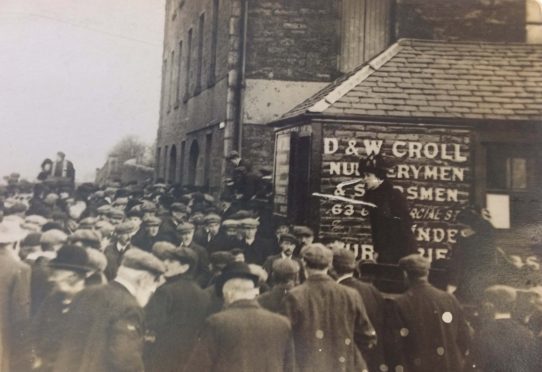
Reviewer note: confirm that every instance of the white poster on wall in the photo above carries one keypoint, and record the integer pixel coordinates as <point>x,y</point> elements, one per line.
<point>498,206</point>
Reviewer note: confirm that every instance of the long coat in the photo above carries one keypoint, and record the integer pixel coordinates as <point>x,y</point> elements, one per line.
<point>432,328</point>
<point>330,324</point>
<point>174,315</point>
<point>105,332</point>
<point>258,251</point>
<point>244,338</point>
<point>391,224</point>
<point>374,304</point>
<point>14,311</point>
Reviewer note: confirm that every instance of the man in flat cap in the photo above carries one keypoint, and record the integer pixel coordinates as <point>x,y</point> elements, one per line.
<point>243,337</point>
<point>176,311</point>
<point>14,299</point>
<point>63,168</point>
<point>116,216</point>
<point>284,276</point>
<point>256,248</point>
<point>344,264</point>
<point>211,228</point>
<point>186,237</point>
<point>329,320</point>
<point>105,329</point>
<point>87,238</point>
<point>304,236</point>
<point>147,234</point>
<point>68,273</point>
<point>391,224</point>
<point>431,327</point>
<point>121,244</point>
<point>168,229</point>
<point>287,244</point>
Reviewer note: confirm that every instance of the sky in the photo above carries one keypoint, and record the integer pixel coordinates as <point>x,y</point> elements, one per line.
<point>76,76</point>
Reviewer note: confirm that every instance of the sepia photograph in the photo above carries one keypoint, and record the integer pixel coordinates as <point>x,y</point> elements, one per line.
<point>271,186</point>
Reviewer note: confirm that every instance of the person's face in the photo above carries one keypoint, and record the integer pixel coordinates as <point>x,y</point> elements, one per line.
<point>213,228</point>
<point>148,214</point>
<point>306,240</point>
<point>47,167</point>
<point>287,247</point>
<point>240,257</point>
<point>178,216</point>
<point>146,286</point>
<point>67,281</point>
<point>282,230</point>
<point>186,237</point>
<point>371,181</point>
<point>124,238</point>
<point>115,220</point>
<point>135,220</point>
<point>152,230</point>
<point>231,231</point>
<point>249,232</point>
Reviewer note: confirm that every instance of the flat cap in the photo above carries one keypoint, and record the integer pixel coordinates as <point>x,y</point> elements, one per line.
<point>152,221</point>
<point>137,259</point>
<point>197,218</point>
<point>258,270</point>
<point>415,263</point>
<point>51,198</point>
<point>86,235</point>
<point>18,207</point>
<point>230,223</point>
<point>344,258</point>
<point>179,207</point>
<point>88,223</point>
<point>147,207</point>
<point>96,259</point>
<point>53,237</point>
<point>285,266</point>
<point>120,202</point>
<point>116,213</point>
<point>164,250</point>
<point>500,294</point>
<point>11,232</point>
<point>125,228</point>
<point>32,240</point>
<point>241,215</point>
<point>303,231</point>
<point>223,258</point>
<point>249,222</point>
<point>104,227</point>
<point>317,254</point>
<point>104,209</point>
<point>287,238</point>
<point>211,218</point>
<point>36,219</point>
<point>232,155</point>
<point>184,228</point>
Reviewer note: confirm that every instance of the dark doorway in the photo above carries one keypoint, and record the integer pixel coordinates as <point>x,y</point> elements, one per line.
<point>172,174</point>
<point>193,163</point>
<point>299,185</point>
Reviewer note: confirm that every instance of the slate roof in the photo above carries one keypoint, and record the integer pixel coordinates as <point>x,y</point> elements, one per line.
<point>437,79</point>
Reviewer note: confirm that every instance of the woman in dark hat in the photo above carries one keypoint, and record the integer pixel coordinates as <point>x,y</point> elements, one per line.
<point>46,170</point>
<point>391,224</point>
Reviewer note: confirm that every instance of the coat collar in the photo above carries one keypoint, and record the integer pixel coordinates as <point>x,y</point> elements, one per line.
<point>319,278</point>
<point>243,304</point>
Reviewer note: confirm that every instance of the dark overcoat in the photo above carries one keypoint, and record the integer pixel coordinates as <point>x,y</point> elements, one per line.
<point>105,332</point>
<point>432,328</point>
<point>330,325</point>
<point>374,304</point>
<point>244,338</point>
<point>114,258</point>
<point>143,241</point>
<point>174,316</point>
<point>391,224</point>
<point>258,251</point>
<point>273,300</point>
<point>14,311</point>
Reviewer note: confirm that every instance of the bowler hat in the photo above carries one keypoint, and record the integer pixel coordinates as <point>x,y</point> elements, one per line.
<point>235,270</point>
<point>71,257</point>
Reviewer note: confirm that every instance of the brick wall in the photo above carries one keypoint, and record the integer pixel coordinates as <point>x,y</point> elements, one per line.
<point>485,20</point>
<point>293,40</point>
<point>435,177</point>
<point>258,145</point>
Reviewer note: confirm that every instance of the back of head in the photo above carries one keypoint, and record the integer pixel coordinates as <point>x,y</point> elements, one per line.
<point>502,297</point>
<point>239,289</point>
<point>317,256</point>
<point>416,266</point>
<point>285,270</point>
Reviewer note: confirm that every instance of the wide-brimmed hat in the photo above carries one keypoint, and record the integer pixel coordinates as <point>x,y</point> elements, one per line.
<point>235,270</point>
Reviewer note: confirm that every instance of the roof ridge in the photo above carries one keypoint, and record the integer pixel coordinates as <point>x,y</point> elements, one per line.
<point>411,41</point>
<point>344,87</point>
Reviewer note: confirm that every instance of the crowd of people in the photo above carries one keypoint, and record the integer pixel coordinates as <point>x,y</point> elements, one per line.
<point>158,278</point>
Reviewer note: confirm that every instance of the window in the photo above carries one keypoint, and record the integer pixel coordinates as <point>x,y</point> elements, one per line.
<point>171,80</point>
<point>187,65</point>
<point>214,43</point>
<point>179,70</point>
<point>201,29</point>
<point>508,168</point>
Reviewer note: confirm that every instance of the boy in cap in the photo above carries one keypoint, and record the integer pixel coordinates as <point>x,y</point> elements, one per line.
<point>14,299</point>
<point>327,316</point>
<point>244,331</point>
<point>168,229</point>
<point>430,323</point>
<point>256,248</point>
<point>176,311</point>
<point>304,236</point>
<point>112,340</point>
<point>344,264</point>
<point>147,234</point>
<point>186,237</point>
